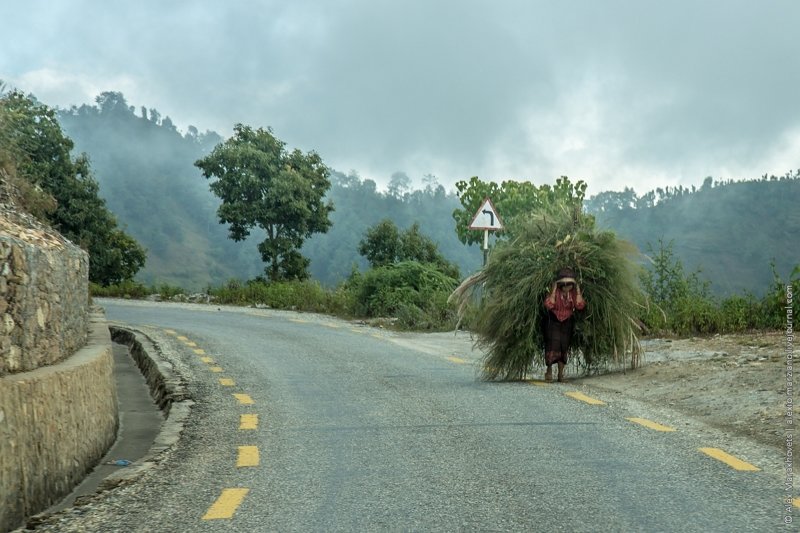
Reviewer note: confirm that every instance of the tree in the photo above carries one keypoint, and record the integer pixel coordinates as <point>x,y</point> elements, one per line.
<point>399,184</point>
<point>384,244</point>
<point>381,244</point>
<point>511,198</point>
<point>262,185</point>
<point>42,159</point>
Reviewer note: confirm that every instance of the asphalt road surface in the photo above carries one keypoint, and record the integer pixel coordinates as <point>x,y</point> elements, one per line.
<point>308,423</point>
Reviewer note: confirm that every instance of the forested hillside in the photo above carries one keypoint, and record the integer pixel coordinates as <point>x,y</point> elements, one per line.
<point>145,168</point>
<point>146,172</point>
<point>359,205</point>
<point>731,231</point>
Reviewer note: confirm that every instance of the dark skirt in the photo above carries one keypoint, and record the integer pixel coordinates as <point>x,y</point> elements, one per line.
<point>557,338</point>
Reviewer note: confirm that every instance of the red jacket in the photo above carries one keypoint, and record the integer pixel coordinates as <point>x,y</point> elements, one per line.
<point>565,305</point>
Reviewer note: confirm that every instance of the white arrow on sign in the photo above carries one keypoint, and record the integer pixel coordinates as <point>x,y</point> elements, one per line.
<point>486,218</point>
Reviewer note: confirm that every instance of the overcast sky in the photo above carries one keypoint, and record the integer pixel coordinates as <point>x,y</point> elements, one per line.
<point>618,93</point>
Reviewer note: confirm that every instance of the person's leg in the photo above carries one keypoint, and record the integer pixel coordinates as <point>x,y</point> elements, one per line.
<point>551,346</point>
<point>566,341</point>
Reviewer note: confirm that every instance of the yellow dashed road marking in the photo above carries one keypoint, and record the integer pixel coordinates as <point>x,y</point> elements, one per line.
<point>207,359</point>
<point>226,504</point>
<point>226,382</point>
<point>582,397</point>
<point>298,320</point>
<point>796,502</point>
<point>730,460</point>
<point>248,422</point>
<point>170,331</point>
<point>199,351</point>
<point>248,456</point>
<point>650,424</point>
<point>456,360</point>
<point>377,336</point>
<point>191,344</point>
<point>244,399</point>
<point>354,330</point>
<point>216,369</point>
<point>329,325</point>
<point>182,338</point>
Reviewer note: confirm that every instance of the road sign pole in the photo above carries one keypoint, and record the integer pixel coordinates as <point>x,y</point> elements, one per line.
<point>485,246</point>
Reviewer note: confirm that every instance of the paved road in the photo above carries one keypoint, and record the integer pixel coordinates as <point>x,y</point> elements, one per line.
<point>354,431</point>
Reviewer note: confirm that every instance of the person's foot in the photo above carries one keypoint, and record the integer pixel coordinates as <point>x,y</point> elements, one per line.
<point>561,378</point>
<point>548,376</point>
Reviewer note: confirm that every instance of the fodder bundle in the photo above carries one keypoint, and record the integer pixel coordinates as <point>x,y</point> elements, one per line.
<point>507,295</point>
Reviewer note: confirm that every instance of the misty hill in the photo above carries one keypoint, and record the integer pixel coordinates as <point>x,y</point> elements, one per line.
<point>146,172</point>
<point>731,231</point>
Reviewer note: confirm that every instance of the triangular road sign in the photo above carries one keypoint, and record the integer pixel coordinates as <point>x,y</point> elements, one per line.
<point>486,217</point>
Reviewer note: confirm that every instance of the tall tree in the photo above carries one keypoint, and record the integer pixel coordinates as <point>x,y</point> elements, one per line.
<point>262,185</point>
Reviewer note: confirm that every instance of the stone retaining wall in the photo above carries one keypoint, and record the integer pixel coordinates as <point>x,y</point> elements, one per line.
<point>58,402</point>
<point>56,423</point>
<point>45,292</point>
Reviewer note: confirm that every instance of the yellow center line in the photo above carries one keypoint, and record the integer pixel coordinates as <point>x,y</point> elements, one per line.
<point>248,421</point>
<point>796,502</point>
<point>207,359</point>
<point>354,330</point>
<point>456,360</point>
<point>199,351</point>
<point>582,397</point>
<point>226,504</point>
<point>244,399</point>
<point>191,344</point>
<point>170,331</point>
<point>329,325</point>
<point>216,369</point>
<point>730,460</point>
<point>182,338</point>
<point>226,382</point>
<point>298,320</point>
<point>248,456</point>
<point>650,424</point>
<point>377,336</point>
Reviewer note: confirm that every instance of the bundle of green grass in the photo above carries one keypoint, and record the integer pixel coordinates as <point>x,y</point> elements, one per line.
<point>505,299</point>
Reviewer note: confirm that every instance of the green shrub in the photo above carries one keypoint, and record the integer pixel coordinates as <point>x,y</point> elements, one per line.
<point>124,289</point>
<point>296,295</point>
<point>167,291</point>
<point>414,293</point>
<point>739,313</point>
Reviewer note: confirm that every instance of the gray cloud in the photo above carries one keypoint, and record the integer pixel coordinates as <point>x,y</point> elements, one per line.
<point>618,93</point>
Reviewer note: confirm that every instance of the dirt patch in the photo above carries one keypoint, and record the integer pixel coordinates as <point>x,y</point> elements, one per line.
<point>736,383</point>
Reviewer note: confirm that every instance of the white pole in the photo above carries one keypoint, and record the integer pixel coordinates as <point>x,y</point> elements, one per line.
<point>485,245</point>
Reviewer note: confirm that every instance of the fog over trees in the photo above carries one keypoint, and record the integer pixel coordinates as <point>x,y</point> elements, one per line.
<point>145,169</point>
